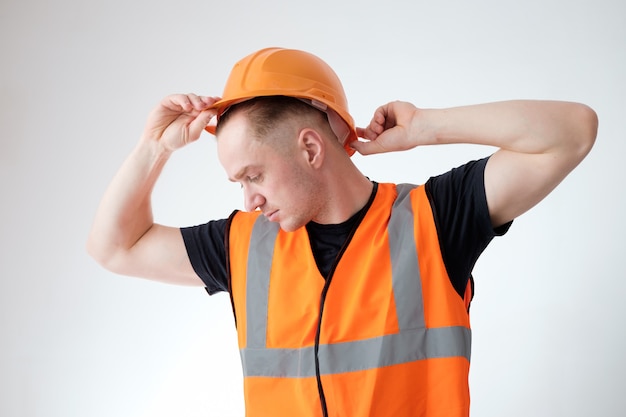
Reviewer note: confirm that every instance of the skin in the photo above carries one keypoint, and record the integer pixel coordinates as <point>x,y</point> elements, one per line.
<point>539,143</point>
<point>124,237</point>
<point>297,182</point>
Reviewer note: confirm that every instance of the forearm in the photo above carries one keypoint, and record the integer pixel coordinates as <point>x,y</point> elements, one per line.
<point>529,127</point>
<point>539,143</point>
<point>125,212</point>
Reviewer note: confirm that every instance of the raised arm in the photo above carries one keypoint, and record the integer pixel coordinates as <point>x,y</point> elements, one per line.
<point>124,237</point>
<point>539,143</point>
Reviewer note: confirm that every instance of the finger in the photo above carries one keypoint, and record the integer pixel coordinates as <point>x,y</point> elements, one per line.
<point>377,124</point>
<point>380,115</point>
<point>370,132</point>
<point>188,102</point>
<point>360,132</point>
<point>198,102</point>
<point>178,102</point>
<point>198,124</point>
<point>209,101</point>
<point>367,147</point>
<point>203,102</point>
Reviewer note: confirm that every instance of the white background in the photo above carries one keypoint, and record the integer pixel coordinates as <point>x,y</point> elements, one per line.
<point>77,80</point>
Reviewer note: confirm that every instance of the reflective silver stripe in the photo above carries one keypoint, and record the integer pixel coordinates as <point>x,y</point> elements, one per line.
<point>360,355</point>
<point>259,267</point>
<point>414,342</point>
<point>406,280</point>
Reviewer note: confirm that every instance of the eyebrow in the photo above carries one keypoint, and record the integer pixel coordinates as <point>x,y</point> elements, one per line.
<point>241,173</point>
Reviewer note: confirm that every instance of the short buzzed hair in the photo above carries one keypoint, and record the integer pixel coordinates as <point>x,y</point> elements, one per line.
<point>266,114</point>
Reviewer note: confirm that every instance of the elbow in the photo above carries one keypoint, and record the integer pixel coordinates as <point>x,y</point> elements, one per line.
<point>101,254</point>
<point>587,129</point>
<point>96,252</point>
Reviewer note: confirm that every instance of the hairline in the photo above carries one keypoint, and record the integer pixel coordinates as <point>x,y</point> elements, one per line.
<point>287,111</point>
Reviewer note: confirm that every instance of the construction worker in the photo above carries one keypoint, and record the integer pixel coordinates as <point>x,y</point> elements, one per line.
<point>351,297</point>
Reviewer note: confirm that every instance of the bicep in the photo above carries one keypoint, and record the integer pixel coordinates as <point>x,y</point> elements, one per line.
<point>160,255</point>
<point>515,182</point>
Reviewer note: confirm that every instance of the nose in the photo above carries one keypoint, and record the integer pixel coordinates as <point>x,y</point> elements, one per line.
<point>252,200</point>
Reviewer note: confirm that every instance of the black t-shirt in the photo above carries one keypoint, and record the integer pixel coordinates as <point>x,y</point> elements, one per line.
<point>461,216</point>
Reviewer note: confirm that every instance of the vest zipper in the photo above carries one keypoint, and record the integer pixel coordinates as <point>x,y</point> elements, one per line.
<point>318,377</point>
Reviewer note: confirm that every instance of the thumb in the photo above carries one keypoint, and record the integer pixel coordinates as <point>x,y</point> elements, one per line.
<point>367,147</point>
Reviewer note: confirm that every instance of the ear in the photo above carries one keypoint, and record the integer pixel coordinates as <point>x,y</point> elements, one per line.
<point>312,147</point>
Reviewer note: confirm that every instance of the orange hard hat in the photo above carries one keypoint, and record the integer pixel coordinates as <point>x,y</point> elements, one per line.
<point>292,73</point>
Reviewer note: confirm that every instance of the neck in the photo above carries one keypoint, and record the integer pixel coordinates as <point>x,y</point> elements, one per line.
<point>348,191</point>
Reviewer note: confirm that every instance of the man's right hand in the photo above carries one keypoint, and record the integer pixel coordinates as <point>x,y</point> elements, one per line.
<point>178,120</point>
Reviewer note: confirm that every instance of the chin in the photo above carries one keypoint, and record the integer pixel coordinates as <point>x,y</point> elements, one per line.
<point>290,226</point>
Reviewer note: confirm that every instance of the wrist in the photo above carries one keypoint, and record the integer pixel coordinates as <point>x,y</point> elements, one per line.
<point>153,150</point>
<point>427,126</point>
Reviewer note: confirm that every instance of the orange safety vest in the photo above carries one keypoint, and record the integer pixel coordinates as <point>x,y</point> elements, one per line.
<point>386,334</point>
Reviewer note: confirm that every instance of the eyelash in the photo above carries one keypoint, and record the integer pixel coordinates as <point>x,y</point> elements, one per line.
<point>253,179</point>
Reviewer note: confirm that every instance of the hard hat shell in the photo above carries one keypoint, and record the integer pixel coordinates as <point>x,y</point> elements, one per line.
<point>292,73</point>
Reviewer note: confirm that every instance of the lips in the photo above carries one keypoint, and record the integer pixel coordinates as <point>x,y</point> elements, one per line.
<point>271,215</point>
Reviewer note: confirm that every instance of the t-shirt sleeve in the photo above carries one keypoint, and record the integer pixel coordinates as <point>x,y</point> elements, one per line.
<point>206,249</point>
<point>462,219</point>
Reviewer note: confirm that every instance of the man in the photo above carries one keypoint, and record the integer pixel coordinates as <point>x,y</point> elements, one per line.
<point>351,297</point>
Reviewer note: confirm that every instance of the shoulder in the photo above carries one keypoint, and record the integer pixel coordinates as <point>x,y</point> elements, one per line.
<point>468,174</point>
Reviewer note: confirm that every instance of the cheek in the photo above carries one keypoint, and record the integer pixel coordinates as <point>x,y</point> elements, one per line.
<point>305,192</point>
<point>294,187</point>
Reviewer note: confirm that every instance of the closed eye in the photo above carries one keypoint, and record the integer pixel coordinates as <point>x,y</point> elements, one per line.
<point>254,179</point>
<point>251,179</point>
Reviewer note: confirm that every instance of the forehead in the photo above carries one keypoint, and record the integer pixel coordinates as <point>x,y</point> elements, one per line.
<point>235,129</point>
<point>237,148</point>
